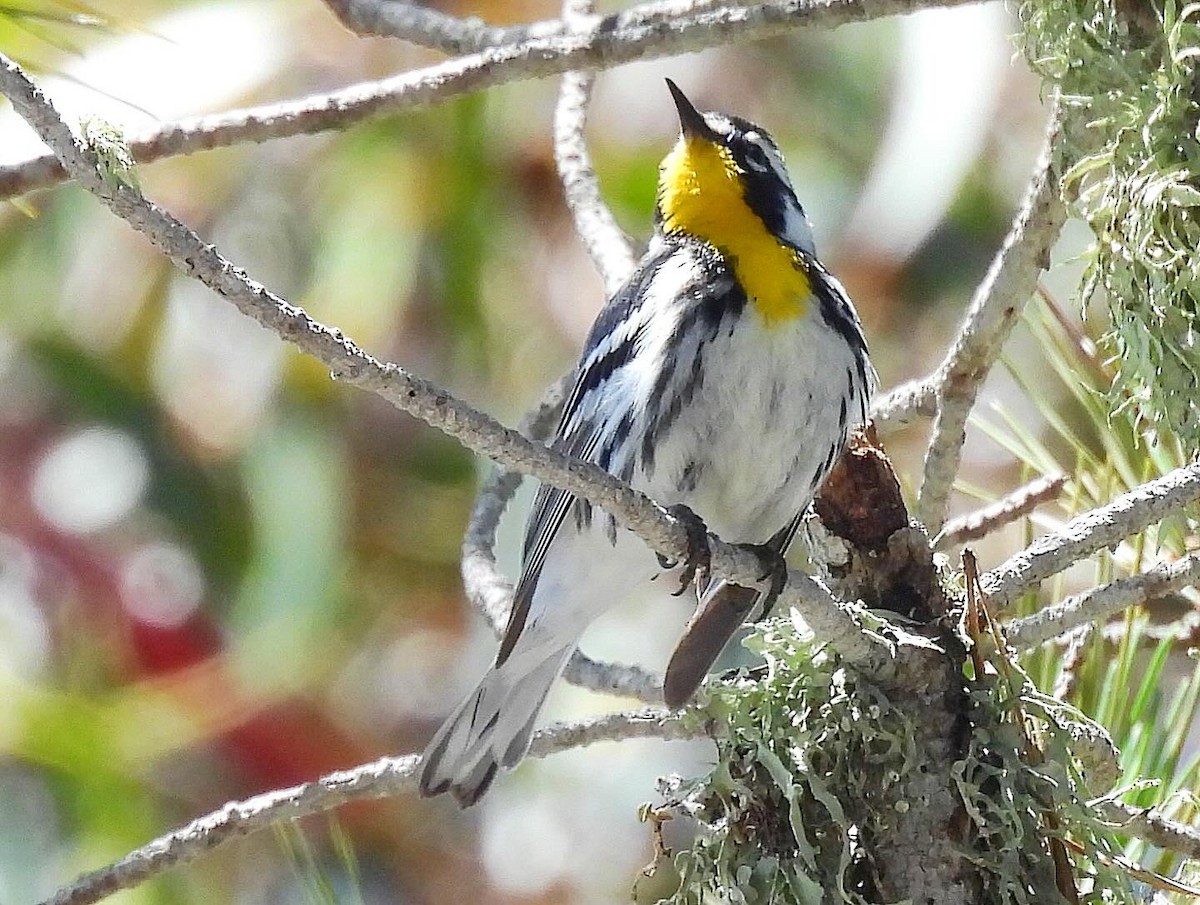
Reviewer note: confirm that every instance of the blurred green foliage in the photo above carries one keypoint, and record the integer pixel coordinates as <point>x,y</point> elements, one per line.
<point>36,32</point>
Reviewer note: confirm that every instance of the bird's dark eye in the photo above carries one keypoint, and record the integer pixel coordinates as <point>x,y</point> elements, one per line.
<point>756,158</point>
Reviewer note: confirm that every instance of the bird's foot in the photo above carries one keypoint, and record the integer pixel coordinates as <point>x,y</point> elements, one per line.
<point>697,563</point>
<point>774,567</point>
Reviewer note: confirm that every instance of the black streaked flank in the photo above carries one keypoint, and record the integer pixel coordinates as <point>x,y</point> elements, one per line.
<point>690,476</point>
<point>775,400</point>
<point>715,301</point>
<point>838,314</point>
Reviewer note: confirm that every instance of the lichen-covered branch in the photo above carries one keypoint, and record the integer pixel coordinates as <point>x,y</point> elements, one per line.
<point>600,42</point>
<point>1149,824</point>
<point>997,304</point>
<point>1085,534</point>
<point>1102,602</point>
<point>384,778</point>
<point>1015,505</point>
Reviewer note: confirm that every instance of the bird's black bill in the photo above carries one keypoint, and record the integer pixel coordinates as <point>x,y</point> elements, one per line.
<point>691,120</point>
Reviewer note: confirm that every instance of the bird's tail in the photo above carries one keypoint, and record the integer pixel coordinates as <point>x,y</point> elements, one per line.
<point>491,729</point>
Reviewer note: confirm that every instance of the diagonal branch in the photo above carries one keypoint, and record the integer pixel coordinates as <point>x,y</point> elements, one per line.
<point>1102,602</point>
<point>1151,825</point>
<point>600,42</point>
<point>997,305</point>
<point>1085,534</point>
<point>348,363</point>
<point>385,778</point>
<point>1015,505</point>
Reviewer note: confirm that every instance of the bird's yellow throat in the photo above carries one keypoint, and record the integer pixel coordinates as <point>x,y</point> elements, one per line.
<point>700,194</point>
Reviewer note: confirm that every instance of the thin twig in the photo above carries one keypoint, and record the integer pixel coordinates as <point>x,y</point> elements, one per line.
<point>995,516</point>
<point>622,680</point>
<point>601,43</point>
<point>605,241</point>
<point>397,19</point>
<point>1185,630</point>
<point>486,588</point>
<point>384,778</point>
<point>1102,602</point>
<point>899,406</point>
<point>1151,825</point>
<point>348,363</point>
<point>1085,534</point>
<point>431,28</point>
<point>998,302</point>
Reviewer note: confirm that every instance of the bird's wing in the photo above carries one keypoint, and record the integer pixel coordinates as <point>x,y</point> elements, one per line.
<point>722,611</point>
<point>610,345</point>
<point>550,508</point>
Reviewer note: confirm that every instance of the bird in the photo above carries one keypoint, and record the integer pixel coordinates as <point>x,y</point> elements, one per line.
<point>722,380</point>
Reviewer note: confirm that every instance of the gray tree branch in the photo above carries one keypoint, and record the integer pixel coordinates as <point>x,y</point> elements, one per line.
<point>1102,602</point>
<point>594,223</point>
<point>997,305</point>
<point>599,42</point>
<point>1153,826</point>
<point>430,28</point>
<point>383,778</point>
<point>1015,505</point>
<point>1085,534</point>
<point>898,407</point>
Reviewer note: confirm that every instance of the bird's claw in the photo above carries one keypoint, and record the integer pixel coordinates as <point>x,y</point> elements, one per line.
<point>697,564</point>
<point>774,567</point>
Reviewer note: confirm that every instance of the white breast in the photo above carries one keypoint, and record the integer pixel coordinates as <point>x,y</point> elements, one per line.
<point>748,452</point>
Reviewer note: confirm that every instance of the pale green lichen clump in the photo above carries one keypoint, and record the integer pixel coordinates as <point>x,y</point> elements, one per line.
<point>1020,789</point>
<point>117,164</point>
<point>1131,164</point>
<point>812,764</point>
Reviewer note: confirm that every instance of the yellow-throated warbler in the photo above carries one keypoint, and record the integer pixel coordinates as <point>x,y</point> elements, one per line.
<point>724,376</point>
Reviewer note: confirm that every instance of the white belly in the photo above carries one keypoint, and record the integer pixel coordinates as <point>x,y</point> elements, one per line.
<point>763,429</point>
